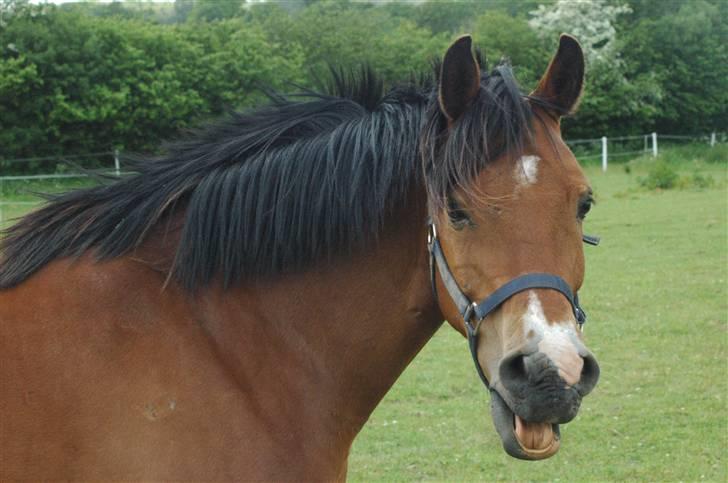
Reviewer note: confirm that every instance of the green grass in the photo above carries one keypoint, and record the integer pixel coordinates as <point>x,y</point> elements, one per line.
<point>17,197</point>
<point>656,296</point>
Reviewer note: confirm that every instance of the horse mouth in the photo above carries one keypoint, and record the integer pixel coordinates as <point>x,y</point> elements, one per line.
<point>523,439</point>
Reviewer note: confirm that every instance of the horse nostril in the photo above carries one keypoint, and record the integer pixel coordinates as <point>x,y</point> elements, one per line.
<point>589,375</point>
<point>513,372</point>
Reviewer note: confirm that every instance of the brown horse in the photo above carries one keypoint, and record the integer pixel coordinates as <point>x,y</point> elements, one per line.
<point>238,308</point>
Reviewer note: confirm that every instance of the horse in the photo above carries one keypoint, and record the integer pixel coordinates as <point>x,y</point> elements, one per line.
<point>237,307</point>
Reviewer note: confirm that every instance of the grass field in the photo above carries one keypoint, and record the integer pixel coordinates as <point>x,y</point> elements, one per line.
<point>656,295</point>
<point>18,197</point>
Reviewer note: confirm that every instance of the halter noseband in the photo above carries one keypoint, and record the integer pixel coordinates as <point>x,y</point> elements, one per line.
<point>470,310</point>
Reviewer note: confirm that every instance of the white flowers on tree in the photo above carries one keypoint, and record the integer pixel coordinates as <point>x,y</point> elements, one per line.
<point>590,21</point>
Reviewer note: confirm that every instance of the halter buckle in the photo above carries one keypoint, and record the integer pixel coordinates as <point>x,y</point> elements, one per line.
<point>431,234</point>
<point>580,316</point>
<point>469,312</point>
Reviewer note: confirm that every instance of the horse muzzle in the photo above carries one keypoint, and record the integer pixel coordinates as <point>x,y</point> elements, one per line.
<point>530,399</point>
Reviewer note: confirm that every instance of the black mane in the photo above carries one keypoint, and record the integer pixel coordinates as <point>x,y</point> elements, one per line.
<point>275,190</point>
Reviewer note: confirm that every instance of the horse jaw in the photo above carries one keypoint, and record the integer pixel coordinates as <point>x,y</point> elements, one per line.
<point>523,440</point>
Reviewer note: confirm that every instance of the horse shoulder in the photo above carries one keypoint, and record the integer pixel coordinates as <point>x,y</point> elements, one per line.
<point>103,370</point>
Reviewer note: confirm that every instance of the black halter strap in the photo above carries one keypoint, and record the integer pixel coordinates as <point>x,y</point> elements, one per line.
<point>472,311</point>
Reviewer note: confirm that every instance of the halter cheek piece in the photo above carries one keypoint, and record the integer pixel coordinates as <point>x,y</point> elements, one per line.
<point>472,311</point>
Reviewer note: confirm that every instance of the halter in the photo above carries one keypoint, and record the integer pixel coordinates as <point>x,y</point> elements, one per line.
<point>470,310</point>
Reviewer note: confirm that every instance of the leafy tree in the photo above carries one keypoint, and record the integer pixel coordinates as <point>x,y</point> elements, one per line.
<point>446,17</point>
<point>500,35</point>
<point>351,34</point>
<point>75,83</point>
<point>611,98</point>
<point>592,22</point>
<point>209,10</point>
<point>686,52</point>
<point>89,77</point>
<point>237,62</point>
<point>182,9</point>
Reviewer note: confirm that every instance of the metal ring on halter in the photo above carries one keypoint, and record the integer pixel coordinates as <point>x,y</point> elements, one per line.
<point>431,234</point>
<point>469,312</point>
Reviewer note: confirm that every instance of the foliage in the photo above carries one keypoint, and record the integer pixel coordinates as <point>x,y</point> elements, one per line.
<point>349,35</point>
<point>686,54</point>
<point>74,83</point>
<point>500,35</point>
<point>679,167</point>
<point>88,77</point>
<point>661,176</point>
<point>209,10</point>
<point>592,22</point>
<point>611,97</point>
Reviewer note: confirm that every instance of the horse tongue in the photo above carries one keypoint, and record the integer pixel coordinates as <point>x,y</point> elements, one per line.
<point>534,436</point>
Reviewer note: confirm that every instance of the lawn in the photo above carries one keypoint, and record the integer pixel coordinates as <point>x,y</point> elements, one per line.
<point>19,196</point>
<point>656,297</point>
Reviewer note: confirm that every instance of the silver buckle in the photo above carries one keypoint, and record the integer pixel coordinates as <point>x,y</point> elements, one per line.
<point>431,234</point>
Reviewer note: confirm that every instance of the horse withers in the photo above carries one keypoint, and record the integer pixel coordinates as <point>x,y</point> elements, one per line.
<point>237,308</point>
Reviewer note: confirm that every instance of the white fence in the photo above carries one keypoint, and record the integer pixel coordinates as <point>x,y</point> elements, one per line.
<point>629,144</point>
<point>8,209</point>
<point>114,155</point>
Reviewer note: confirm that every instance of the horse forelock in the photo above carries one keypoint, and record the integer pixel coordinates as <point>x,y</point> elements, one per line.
<point>497,122</point>
<point>282,187</point>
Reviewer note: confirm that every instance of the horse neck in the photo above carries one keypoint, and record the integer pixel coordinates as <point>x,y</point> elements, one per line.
<point>315,352</point>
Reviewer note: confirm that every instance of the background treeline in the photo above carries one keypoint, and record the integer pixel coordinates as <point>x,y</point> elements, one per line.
<point>91,77</point>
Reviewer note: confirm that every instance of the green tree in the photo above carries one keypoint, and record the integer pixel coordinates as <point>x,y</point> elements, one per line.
<point>613,100</point>
<point>501,35</point>
<point>237,61</point>
<point>447,17</point>
<point>351,34</point>
<point>182,9</point>
<point>209,10</point>
<point>74,83</point>
<point>686,52</point>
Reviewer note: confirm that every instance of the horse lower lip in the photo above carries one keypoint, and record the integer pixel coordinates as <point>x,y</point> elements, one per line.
<point>508,426</point>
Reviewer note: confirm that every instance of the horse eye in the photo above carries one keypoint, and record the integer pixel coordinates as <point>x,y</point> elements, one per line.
<point>458,216</point>
<point>584,207</point>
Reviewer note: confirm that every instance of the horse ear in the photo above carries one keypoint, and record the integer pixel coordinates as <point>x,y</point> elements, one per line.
<point>459,78</point>
<point>563,81</point>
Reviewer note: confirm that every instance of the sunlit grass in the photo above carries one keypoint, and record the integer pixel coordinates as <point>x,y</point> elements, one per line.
<point>17,197</point>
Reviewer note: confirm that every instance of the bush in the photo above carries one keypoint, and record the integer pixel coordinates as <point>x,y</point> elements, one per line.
<point>660,176</point>
<point>663,176</point>
<point>702,181</point>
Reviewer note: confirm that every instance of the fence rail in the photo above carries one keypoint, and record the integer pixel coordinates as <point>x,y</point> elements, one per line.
<point>649,145</point>
<point>56,158</point>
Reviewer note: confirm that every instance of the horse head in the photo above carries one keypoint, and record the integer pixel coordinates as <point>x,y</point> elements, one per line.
<point>506,240</point>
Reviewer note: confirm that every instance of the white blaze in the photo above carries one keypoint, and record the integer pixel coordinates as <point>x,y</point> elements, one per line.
<point>526,169</point>
<point>554,340</point>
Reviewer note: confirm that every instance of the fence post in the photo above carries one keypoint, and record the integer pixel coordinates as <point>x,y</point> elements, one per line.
<point>647,144</point>
<point>712,139</point>
<point>117,168</point>
<point>654,144</point>
<point>604,153</point>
